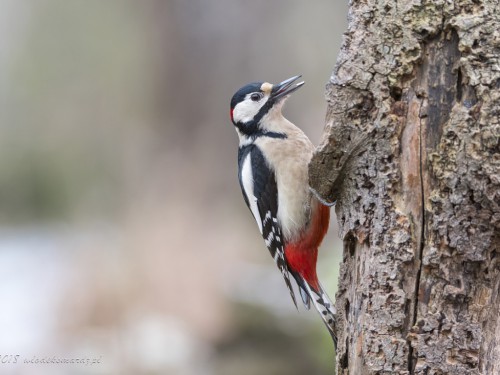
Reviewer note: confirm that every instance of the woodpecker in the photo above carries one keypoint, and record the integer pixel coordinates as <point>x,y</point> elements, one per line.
<point>273,158</point>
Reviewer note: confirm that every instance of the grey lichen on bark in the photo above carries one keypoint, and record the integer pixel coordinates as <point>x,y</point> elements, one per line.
<point>411,154</point>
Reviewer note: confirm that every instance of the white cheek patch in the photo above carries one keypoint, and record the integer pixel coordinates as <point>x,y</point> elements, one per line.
<point>247,109</point>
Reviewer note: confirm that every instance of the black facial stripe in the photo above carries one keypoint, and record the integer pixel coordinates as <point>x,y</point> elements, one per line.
<point>271,135</point>
<point>248,128</point>
<point>263,110</point>
<point>251,130</point>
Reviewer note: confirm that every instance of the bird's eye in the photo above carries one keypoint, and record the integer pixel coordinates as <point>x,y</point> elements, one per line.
<point>255,97</point>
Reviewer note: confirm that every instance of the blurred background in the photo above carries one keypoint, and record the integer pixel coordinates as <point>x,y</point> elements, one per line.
<point>124,237</point>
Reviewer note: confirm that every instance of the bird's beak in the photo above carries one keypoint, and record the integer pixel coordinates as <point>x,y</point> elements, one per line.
<point>285,88</point>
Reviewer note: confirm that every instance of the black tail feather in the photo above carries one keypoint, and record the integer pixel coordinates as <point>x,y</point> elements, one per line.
<point>321,302</point>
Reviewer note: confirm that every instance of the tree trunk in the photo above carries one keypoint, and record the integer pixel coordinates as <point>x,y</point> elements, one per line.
<point>411,155</point>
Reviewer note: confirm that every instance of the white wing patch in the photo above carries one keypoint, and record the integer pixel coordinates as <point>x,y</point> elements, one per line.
<point>247,181</point>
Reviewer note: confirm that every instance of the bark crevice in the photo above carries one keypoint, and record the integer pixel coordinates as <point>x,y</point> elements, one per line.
<point>412,358</point>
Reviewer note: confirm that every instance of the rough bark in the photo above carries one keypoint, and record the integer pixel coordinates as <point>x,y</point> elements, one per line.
<point>411,155</point>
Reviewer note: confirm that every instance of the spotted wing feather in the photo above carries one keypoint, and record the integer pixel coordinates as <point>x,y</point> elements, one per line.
<point>260,191</point>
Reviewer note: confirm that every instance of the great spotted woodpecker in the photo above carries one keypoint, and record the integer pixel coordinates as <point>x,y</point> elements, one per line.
<point>273,158</point>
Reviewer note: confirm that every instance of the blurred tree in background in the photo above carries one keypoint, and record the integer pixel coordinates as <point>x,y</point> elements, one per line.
<point>119,201</point>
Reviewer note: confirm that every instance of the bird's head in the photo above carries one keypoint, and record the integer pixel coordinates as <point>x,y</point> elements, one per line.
<point>258,100</point>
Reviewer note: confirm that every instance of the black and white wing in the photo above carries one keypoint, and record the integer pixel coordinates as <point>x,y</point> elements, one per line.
<point>258,183</point>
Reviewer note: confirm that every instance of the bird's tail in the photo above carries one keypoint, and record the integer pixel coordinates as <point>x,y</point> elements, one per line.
<point>322,303</point>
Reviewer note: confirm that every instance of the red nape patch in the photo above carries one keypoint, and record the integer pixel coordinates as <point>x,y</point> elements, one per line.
<point>231,114</point>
